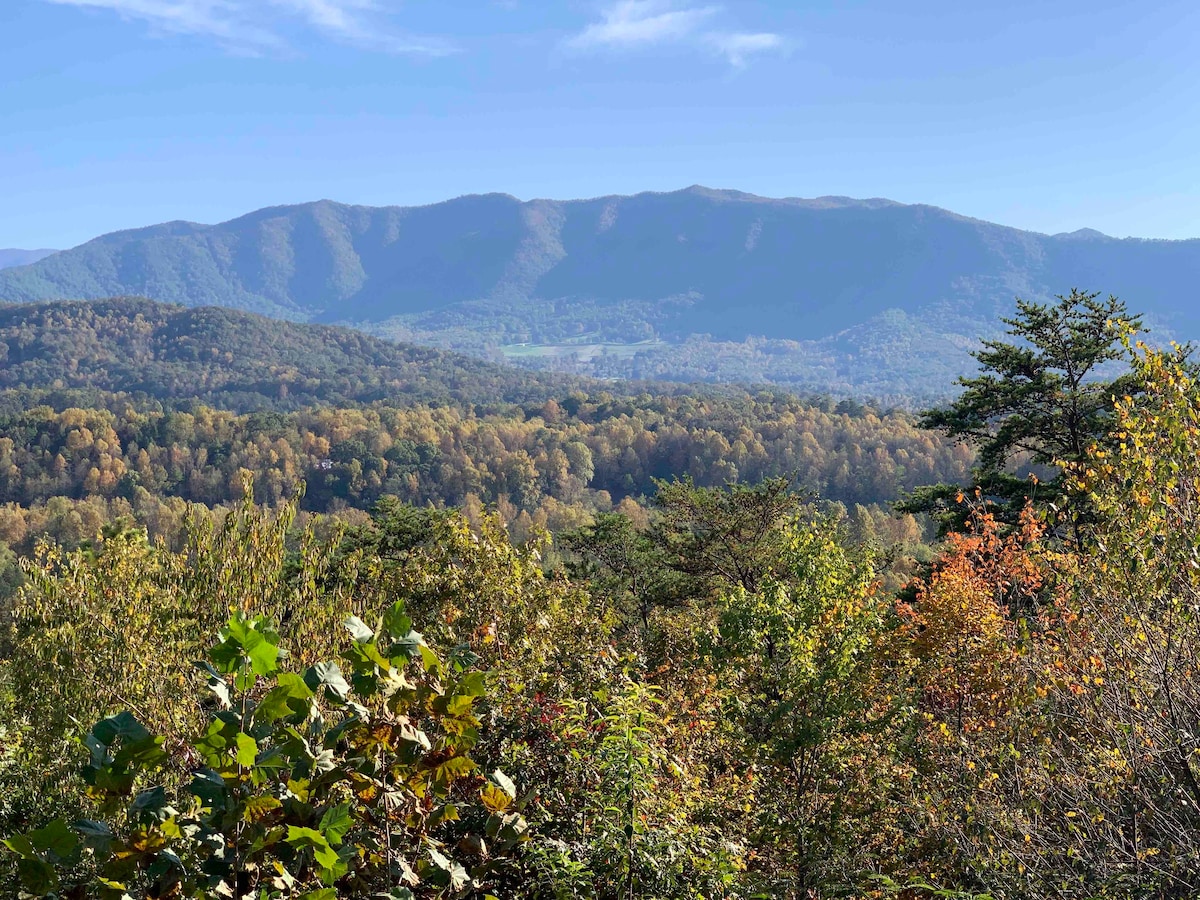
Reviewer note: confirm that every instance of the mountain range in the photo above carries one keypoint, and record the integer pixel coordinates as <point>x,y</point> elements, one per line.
<point>833,293</point>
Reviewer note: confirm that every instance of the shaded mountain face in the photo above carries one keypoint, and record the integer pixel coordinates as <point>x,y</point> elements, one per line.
<point>13,257</point>
<point>696,268</point>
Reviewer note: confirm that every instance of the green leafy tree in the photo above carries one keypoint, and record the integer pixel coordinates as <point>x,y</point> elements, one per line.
<point>809,708</point>
<point>624,564</point>
<point>1114,799</point>
<point>729,535</point>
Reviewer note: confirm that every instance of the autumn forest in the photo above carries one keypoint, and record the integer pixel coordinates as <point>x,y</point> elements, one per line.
<point>343,618</point>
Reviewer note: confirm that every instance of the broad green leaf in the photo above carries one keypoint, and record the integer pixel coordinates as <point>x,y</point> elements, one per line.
<point>327,858</point>
<point>358,629</point>
<point>269,761</point>
<point>56,838</point>
<point>96,835</point>
<point>152,802</point>
<point>226,656</point>
<point>208,786</point>
<point>274,706</point>
<point>263,654</point>
<point>20,845</point>
<point>122,725</point>
<point>285,699</point>
<point>247,750</point>
<point>408,644</point>
<point>396,620</point>
<point>459,705</point>
<point>430,661</point>
<point>244,637</point>
<point>327,674</point>
<point>335,823</point>
<point>144,753</point>
<point>170,828</point>
<point>37,876</point>
<point>473,684</point>
<point>305,837</point>
<point>295,685</point>
<point>164,861</point>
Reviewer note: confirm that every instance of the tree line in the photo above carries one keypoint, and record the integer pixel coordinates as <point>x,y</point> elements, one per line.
<point>547,465</point>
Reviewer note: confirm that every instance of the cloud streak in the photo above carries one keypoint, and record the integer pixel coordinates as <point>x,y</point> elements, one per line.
<point>739,46</point>
<point>639,24</point>
<point>256,25</point>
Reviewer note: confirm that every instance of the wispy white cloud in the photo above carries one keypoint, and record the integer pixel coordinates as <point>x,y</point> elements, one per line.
<point>640,22</point>
<point>739,46</point>
<point>256,25</point>
<point>215,18</point>
<point>357,21</point>
<point>631,24</point>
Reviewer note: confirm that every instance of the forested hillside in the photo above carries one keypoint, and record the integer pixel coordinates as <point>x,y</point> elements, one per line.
<point>130,408</point>
<point>718,694</point>
<point>834,294</point>
<point>237,360</point>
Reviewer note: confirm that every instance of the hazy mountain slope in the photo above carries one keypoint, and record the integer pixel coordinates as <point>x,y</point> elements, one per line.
<point>13,257</point>
<point>310,261</point>
<point>483,272</point>
<point>237,360</point>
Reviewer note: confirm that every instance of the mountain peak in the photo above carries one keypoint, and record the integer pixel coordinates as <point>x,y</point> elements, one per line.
<point>1084,234</point>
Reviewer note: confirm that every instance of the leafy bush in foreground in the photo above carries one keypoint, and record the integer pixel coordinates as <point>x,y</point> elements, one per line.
<point>307,784</point>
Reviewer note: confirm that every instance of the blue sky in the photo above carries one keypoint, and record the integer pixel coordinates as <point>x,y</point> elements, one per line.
<point>1050,115</point>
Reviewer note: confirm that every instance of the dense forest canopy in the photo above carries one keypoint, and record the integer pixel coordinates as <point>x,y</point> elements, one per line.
<point>237,360</point>
<point>128,407</point>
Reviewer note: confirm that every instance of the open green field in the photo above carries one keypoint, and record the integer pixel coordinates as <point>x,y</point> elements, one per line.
<point>582,352</point>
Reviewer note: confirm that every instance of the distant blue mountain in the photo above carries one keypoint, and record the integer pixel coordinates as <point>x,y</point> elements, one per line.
<point>9,258</point>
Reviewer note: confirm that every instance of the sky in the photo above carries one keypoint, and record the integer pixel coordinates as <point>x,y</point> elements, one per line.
<point>1050,115</point>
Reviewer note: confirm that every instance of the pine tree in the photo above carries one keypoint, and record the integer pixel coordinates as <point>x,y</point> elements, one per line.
<point>1037,406</point>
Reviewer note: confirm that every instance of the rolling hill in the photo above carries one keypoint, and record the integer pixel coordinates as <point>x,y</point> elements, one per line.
<point>852,296</point>
<point>238,360</point>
